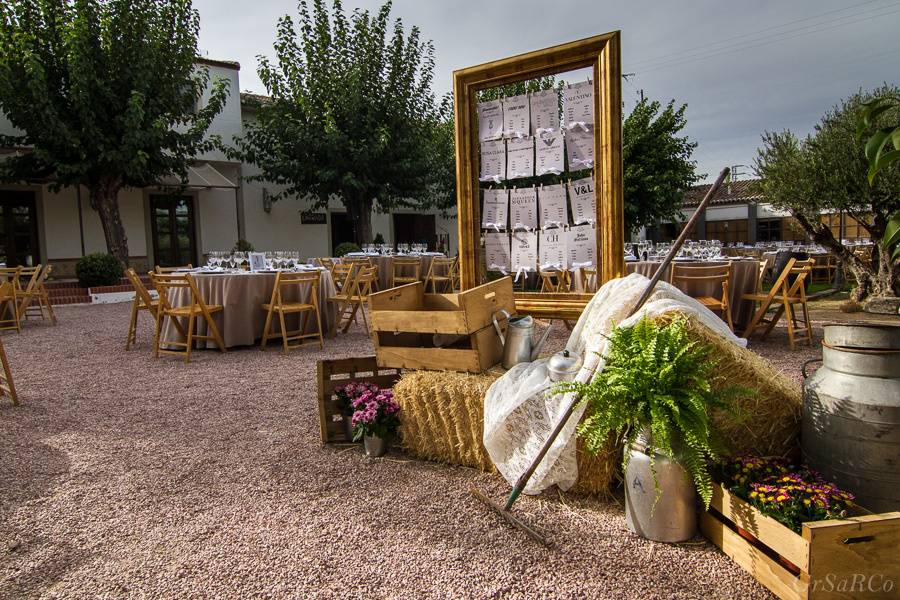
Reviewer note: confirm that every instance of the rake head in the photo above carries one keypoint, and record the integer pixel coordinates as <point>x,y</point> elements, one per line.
<point>512,519</point>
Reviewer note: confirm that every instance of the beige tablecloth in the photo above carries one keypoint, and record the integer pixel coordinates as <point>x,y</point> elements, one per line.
<point>744,274</point>
<point>242,295</point>
<point>386,267</point>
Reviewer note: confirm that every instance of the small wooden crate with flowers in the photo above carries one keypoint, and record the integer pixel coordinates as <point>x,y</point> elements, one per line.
<point>801,537</point>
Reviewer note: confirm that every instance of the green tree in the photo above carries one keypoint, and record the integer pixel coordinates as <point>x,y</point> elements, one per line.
<point>105,93</point>
<point>828,172</point>
<point>351,116</point>
<point>657,163</point>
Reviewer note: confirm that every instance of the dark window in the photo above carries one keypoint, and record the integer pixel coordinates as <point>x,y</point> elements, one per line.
<point>341,230</point>
<point>734,230</point>
<point>18,229</point>
<point>172,221</point>
<point>415,229</point>
<point>768,230</point>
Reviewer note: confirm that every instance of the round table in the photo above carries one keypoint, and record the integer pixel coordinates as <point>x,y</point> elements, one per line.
<point>385,264</point>
<point>241,296</point>
<point>744,276</point>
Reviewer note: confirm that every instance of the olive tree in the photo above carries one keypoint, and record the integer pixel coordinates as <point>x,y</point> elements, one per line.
<point>105,95</point>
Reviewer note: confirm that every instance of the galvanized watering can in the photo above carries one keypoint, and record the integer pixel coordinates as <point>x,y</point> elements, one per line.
<point>517,343</point>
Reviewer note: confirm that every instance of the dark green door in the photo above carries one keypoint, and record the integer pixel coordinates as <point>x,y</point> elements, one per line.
<point>18,229</point>
<point>173,230</point>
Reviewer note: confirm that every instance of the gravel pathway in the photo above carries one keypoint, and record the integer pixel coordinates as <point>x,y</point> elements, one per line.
<point>122,476</point>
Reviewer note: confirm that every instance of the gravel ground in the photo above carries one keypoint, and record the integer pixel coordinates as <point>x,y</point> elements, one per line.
<point>123,476</point>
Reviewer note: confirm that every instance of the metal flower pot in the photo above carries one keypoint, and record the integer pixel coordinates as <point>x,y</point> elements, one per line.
<point>673,518</point>
<point>375,446</point>
<point>348,427</point>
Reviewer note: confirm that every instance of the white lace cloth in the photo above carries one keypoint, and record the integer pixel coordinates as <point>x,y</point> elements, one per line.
<point>519,414</point>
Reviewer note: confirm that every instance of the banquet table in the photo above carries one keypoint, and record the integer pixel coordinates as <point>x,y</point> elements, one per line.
<point>242,295</point>
<point>744,275</point>
<point>385,264</point>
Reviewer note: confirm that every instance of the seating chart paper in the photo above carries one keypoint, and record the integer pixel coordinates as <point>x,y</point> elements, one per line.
<point>552,249</point>
<point>552,200</point>
<point>544,112</point>
<point>516,116</point>
<point>523,208</point>
<point>580,148</point>
<point>524,252</point>
<point>550,152</point>
<point>582,246</point>
<point>496,252</point>
<point>583,200</point>
<point>520,158</point>
<point>493,161</point>
<point>578,105</point>
<point>490,120</point>
<point>496,209</point>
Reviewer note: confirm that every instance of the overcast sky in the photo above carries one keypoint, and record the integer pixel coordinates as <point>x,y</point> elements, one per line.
<point>742,67</point>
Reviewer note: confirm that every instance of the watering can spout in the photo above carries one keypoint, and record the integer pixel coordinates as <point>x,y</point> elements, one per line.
<point>537,347</point>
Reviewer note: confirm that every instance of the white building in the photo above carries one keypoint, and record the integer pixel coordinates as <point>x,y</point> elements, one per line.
<point>218,208</point>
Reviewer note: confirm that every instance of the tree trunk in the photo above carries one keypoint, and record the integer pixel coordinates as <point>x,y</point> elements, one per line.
<point>104,197</point>
<point>360,210</point>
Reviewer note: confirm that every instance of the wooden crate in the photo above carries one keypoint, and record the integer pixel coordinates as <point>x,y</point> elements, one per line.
<point>441,332</point>
<point>331,374</point>
<point>856,557</point>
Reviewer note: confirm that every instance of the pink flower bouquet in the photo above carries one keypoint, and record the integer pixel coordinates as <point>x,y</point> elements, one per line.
<point>346,394</point>
<point>375,414</point>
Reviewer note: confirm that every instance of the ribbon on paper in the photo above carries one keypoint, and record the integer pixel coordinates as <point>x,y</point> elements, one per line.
<point>522,270</point>
<point>579,265</point>
<point>500,268</point>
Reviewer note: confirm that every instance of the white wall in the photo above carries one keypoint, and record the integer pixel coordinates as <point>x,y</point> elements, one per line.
<point>726,213</point>
<point>217,220</point>
<point>60,214</point>
<point>227,123</point>
<point>765,211</point>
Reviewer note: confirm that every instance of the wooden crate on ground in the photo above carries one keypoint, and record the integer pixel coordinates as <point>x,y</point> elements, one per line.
<point>441,332</point>
<point>856,557</point>
<point>331,374</point>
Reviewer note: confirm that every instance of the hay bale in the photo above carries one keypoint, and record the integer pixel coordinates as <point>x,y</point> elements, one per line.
<point>442,419</point>
<point>770,419</point>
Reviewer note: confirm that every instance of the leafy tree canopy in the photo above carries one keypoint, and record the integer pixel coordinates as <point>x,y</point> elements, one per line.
<point>104,93</point>
<point>352,113</point>
<point>828,172</point>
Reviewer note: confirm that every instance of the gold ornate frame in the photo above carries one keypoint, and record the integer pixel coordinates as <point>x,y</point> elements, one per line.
<point>602,53</point>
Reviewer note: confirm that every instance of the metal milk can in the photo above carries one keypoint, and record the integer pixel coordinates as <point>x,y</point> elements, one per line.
<point>518,345</point>
<point>564,366</point>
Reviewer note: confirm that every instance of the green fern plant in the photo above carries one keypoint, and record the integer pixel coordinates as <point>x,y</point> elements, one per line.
<point>657,377</point>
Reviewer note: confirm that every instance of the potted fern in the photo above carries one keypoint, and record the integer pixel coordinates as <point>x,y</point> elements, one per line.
<point>655,394</point>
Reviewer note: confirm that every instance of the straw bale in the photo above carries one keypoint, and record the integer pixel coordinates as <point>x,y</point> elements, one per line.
<point>768,420</point>
<point>442,419</point>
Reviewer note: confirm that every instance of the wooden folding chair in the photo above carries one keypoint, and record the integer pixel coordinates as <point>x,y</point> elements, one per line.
<point>142,301</point>
<point>761,277</point>
<point>165,270</point>
<point>784,295</point>
<point>440,271</point>
<point>454,275</point>
<point>353,297</point>
<point>40,295</point>
<point>7,387</point>
<point>823,271</point>
<point>713,274</point>
<point>326,262</point>
<point>26,294</point>
<point>278,305</point>
<point>553,281</point>
<point>164,283</point>
<point>589,279</point>
<point>400,271</point>
<point>9,317</point>
<point>343,273</point>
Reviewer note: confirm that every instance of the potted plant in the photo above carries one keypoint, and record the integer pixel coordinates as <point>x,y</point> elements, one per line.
<point>346,394</point>
<point>375,420</point>
<point>655,394</point>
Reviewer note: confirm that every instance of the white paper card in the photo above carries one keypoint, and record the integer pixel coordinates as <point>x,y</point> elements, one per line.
<point>580,147</point>
<point>496,209</point>
<point>493,161</point>
<point>496,252</point>
<point>524,251</point>
<point>516,116</point>
<point>582,246</point>
<point>578,104</point>
<point>550,150</point>
<point>583,200</point>
<point>520,158</point>
<point>490,120</point>
<point>552,200</point>
<point>544,112</point>
<point>523,208</point>
<point>553,254</point>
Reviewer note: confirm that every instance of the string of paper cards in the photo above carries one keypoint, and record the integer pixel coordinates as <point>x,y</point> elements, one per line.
<point>529,228</point>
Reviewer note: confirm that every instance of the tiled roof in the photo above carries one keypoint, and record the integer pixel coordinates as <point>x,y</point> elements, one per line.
<point>251,99</point>
<point>228,64</point>
<point>736,192</point>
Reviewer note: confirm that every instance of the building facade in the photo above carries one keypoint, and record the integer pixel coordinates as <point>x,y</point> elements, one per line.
<point>215,210</point>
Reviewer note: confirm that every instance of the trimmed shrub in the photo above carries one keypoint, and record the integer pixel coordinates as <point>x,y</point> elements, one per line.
<point>345,248</point>
<point>98,269</point>
<point>242,245</point>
